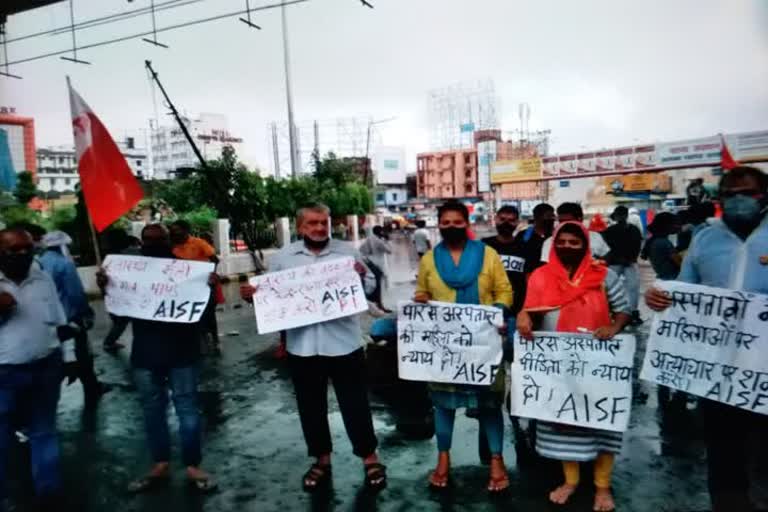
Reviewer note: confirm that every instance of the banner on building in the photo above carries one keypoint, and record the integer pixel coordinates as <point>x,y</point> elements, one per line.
<point>451,343</point>
<point>505,171</point>
<point>689,152</point>
<point>585,163</point>
<point>749,146</point>
<point>550,166</point>
<point>307,295</point>
<point>486,155</point>
<point>646,182</point>
<point>573,379</point>
<point>605,161</point>
<point>712,342</point>
<point>161,289</point>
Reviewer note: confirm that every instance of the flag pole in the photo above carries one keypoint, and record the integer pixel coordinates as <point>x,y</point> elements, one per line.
<point>91,228</point>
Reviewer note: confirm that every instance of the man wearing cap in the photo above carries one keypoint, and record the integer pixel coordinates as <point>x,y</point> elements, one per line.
<point>56,262</point>
<point>625,241</point>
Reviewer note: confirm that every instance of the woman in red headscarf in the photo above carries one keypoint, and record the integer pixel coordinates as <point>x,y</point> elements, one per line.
<point>574,293</point>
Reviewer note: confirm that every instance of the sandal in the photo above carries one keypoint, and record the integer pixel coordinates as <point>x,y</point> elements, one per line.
<point>318,475</point>
<point>375,476</point>
<point>205,485</point>
<point>438,481</point>
<point>148,483</point>
<point>498,484</point>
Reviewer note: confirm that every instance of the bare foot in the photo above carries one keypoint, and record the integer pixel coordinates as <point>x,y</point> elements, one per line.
<point>562,494</point>
<point>439,477</point>
<point>604,501</point>
<point>499,479</point>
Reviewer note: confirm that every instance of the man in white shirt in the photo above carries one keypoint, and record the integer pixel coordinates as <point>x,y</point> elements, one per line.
<point>32,321</point>
<point>421,239</point>
<point>326,351</point>
<point>568,212</point>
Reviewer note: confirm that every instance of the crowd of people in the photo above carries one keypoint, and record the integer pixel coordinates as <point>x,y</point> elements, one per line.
<point>555,275</point>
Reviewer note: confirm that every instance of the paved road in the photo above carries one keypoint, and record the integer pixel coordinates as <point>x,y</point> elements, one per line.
<point>253,443</point>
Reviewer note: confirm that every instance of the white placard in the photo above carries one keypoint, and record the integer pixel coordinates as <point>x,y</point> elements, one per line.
<point>513,263</point>
<point>161,289</point>
<point>712,342</point>
<point>573,379</point>
<point>308,295</point>
<point>453,343</point>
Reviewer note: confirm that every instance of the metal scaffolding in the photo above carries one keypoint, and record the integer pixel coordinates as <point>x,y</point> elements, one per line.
<point>457,111</point>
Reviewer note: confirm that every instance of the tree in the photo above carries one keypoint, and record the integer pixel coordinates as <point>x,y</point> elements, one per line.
<point>26,189</point>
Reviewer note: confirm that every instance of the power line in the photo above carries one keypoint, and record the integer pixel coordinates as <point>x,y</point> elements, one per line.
<point>159,30</point>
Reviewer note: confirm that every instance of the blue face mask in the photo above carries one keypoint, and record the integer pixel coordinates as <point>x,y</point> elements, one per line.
<point>741,209</point>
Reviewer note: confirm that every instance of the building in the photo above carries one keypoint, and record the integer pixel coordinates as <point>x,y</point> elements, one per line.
<point>57,166</point>
<point>447,174</point>
<point>171,151</point>
<point>390,176</point>
<point>17,146</point>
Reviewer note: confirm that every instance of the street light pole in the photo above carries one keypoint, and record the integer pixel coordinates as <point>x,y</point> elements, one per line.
<point>289,97</point>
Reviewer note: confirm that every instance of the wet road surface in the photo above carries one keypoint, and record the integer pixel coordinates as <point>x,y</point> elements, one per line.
<point>254,446</point>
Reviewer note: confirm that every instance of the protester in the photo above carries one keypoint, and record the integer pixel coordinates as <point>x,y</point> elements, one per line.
<point>635,220</point>
<point>452,273</point>
<point>696,192</point>
<point>737,263</point>
<point>532,238</point>
<point>659,250</point>
<point>374,251</point>
<point>572,212</point>
<point>512,255</point>
<point>572,293</point>
<point>119,243</point>
<point>187,247</point>
<point>328,350</point>
<point>32,324</point>
<point>57,263</point>
<point>701,215</point>
<point>421,238</point>
<point>598,224</point>
<point>625,242</point>
<point>165,357</point>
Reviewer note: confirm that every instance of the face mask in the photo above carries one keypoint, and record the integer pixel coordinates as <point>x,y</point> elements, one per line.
<point>549,227</point>
<point>16,265</point>
<point>506,229</point>
<point>313,245</point>
<point>741,209</point>
<point>159,251</point>
<point>453,235</point>
<point>570,257</point>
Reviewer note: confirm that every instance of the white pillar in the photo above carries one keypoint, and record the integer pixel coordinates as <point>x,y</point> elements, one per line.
<point>283,230</point>
<point>136,227</point>
<point>352,228</point>
<point>220,228</point>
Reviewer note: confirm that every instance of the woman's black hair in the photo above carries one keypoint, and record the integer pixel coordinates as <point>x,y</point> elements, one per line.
<point>453,206</point>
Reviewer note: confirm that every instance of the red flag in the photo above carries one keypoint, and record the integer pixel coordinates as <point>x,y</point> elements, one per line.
<point>727,162</point>
<point>109,187</point>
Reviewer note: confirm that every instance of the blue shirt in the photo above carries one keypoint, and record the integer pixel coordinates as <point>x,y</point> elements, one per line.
<point>332,338</point>
<point>68,284</point>
<point>718,257</point>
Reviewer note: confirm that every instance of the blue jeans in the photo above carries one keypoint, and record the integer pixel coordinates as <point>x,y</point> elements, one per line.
<point>30,392</point>
<point>491,425</point>
<point>154,386</point>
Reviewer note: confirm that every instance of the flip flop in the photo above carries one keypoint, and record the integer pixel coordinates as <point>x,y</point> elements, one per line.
<point>204,485</point>
<point>148,483</point>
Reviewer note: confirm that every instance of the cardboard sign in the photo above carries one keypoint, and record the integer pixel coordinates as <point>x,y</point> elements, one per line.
<point>574,379</point>
<point>308,295</point>
<point>161,289</point>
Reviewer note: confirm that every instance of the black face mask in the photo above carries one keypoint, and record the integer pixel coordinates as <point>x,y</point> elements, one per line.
<point>549,227</point>
<point>453,236</point>
<point>158,251</point>
<point>506,229</point>
<point>16,265</point>
<point>314,245</point>
<point>570,257</point>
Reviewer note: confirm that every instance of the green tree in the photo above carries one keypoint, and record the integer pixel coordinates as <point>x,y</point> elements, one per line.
<point>26,189</point>
<point>200,219</point>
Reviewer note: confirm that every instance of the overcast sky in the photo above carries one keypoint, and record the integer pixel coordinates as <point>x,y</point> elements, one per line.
<point>598,73</point>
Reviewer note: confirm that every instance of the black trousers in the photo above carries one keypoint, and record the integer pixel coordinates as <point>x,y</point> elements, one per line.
<point>310,380</point>
<point>732,436</point>
<point>85,369</point>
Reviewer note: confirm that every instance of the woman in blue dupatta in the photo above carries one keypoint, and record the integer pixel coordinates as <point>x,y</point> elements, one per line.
<point>465,271</point>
